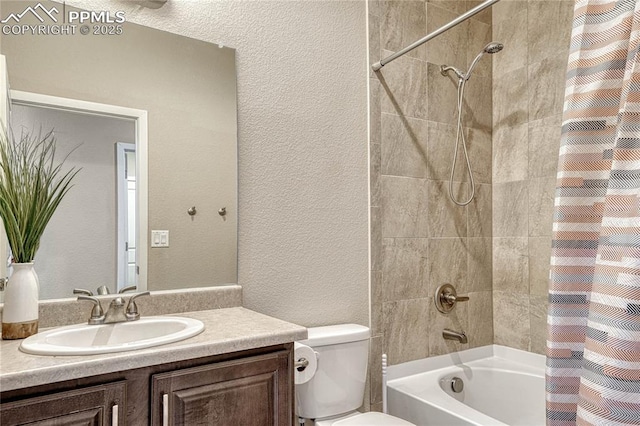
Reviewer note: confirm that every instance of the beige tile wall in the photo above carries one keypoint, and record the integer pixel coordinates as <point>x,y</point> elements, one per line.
<point>528,89</point>
<point>419,238</point>
<point>496,249</point>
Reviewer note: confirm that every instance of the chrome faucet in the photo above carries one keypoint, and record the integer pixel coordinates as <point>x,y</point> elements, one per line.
<point>116,311</point>
<point>454,335</point>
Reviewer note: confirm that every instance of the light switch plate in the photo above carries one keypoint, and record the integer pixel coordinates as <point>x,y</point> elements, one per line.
<point>159,238</point>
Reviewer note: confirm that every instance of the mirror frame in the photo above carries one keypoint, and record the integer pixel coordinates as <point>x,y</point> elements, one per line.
<point>142,157</point>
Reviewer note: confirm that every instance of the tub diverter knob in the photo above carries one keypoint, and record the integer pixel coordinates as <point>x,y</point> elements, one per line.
<point>457,385</point>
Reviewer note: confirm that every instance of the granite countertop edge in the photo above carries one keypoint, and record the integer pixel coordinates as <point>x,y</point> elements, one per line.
<point>226,330</point>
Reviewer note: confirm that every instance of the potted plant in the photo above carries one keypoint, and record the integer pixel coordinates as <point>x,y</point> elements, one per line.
<point>32,185</point>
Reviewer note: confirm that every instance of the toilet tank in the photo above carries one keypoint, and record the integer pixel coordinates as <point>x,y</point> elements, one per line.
<point>338,385</point>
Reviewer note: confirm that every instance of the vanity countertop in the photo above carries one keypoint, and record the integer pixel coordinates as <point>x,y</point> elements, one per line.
<point>226,330</point>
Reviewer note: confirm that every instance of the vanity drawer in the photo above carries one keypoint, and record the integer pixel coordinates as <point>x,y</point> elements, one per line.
<point>95,405</point>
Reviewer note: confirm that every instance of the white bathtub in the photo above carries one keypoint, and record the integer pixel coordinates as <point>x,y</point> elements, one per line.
<point>502,386</point>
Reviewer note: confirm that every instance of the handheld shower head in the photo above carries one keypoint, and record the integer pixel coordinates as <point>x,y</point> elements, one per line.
<point>491,48</point>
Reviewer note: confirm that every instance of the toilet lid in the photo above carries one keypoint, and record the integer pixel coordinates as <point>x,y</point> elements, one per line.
<point>373,419</point>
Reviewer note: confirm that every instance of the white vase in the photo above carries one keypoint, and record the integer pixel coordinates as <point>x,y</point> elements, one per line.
<point>20,311</point>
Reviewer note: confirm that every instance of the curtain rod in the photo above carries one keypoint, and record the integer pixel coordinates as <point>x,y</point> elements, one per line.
<point>479,8</point>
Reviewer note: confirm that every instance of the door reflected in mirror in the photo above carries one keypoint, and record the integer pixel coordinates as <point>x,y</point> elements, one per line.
<point>188,89</point>
<point>97,224</point>
<point>127,240</point>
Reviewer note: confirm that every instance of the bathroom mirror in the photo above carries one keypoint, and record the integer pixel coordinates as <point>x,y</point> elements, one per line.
<point>187,88</point>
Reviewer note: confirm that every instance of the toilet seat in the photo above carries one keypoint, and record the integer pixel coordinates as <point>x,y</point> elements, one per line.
<point>371,418</point>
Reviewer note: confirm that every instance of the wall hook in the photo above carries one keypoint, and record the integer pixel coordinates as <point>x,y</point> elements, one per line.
<point>192,211</point>
<point>222,211</point>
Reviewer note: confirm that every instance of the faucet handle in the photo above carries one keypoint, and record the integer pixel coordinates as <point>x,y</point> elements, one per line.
<point>446,298</point>
<point>128,288</point>
<point>453,298</point>
<point>132,313</point>
<point>97,314</point>
<point>82,291</point>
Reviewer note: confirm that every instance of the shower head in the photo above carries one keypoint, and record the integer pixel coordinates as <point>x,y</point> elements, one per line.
<point>491,48</point>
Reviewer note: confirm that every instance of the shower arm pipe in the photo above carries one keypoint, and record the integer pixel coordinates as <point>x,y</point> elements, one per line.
<point>468,14</point>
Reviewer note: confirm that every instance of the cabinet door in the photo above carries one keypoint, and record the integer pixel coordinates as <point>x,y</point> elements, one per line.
<point>95,406</point>
<point>256,391</point>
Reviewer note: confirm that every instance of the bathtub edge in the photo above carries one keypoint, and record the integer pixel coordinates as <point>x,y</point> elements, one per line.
<point>440,361</point>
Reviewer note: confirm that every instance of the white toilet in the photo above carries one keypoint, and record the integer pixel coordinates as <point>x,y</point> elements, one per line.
<point>336,391</point>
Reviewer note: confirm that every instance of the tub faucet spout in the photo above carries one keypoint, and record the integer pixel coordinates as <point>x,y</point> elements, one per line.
<point>454,335</point>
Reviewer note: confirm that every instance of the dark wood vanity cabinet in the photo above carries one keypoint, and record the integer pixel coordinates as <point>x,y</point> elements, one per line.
<point>240,392</point>
<point>95,405</point>
<point>252,387</point>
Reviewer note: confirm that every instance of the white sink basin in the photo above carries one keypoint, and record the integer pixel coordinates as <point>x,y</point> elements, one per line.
<point>84,339</point>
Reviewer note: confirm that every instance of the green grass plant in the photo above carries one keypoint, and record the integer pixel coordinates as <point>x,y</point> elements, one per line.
<point>32,185</point>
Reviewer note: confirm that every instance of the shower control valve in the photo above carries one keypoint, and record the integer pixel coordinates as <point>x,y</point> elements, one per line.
<point>446,298</point>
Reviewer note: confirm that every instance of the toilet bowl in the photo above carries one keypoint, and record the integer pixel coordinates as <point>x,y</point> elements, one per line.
<point>336,390</point>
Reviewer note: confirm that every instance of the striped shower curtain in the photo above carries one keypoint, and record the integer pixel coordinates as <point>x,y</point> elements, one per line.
<point>593,346</point>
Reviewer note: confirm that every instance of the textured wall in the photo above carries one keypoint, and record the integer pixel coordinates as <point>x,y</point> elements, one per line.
<point>420,238</point>
<point>302,136</point>
<point>528,92</point>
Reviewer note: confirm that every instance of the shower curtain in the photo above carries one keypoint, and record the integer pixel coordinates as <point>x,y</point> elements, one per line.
<point>593,346</point>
